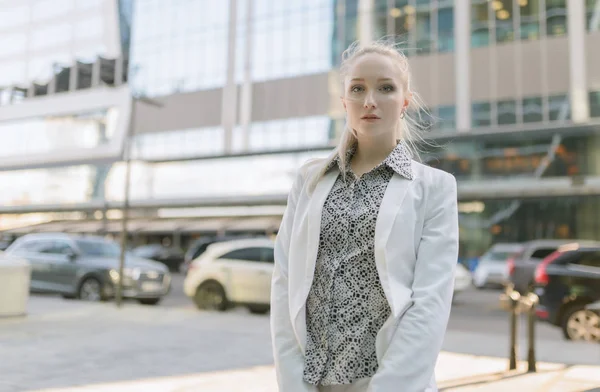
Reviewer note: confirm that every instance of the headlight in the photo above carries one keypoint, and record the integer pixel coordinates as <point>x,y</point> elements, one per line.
<point>129,273</point>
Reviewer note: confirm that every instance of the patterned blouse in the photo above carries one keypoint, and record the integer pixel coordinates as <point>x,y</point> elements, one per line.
<point>346,305</point>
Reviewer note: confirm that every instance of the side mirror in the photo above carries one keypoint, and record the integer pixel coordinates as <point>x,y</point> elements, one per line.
<point>71,255</point>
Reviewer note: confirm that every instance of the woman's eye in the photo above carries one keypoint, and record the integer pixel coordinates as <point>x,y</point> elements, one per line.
<point>356,89</point>
<point>387,88</point>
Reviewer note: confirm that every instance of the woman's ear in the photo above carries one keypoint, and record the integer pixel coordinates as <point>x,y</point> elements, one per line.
<point>343,102</point>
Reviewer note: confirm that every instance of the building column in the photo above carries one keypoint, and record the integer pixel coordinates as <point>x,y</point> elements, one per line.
<point>366,21</point>
<point>229,99</point>
<point>462,74</point>
<point>246,99</point>
<point>576,26</point>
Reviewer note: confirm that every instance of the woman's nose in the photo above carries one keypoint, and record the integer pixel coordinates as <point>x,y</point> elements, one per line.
<point>369,101</point>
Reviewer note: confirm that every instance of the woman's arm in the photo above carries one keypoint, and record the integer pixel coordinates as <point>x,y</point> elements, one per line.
<point>289,359</point>
<point>409,362</point>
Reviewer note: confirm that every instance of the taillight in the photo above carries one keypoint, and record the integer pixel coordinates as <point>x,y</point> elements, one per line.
<point>511,266</point>
<point>541,276</point>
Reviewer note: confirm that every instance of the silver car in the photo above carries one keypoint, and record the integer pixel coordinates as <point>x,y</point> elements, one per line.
<point>88,268</point>
<point>492,268</point>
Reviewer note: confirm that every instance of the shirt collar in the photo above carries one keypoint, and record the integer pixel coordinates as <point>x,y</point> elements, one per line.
<point>399,160</point>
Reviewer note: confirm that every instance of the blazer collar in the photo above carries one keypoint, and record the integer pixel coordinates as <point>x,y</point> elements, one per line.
<point>399,160</point>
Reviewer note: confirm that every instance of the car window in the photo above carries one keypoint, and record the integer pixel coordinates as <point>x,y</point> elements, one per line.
<point>262,254</point>
<point>62,247</point>
<point>38,246</point>
<point>589,259</point>
<point>99,248</point>
<point>268,255</point>
<point>498,256</point>
<point>145,251</point>
<point>541,253</point>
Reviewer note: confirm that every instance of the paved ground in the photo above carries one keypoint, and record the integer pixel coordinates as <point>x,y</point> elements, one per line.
<point>64,344</point>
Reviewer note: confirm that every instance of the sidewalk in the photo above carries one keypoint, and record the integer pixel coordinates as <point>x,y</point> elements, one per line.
<point>455,372</point>
<point>70,346</point>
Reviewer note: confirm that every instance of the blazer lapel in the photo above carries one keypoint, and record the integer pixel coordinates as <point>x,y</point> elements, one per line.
<point>315,209</point>
<point>390,205</point>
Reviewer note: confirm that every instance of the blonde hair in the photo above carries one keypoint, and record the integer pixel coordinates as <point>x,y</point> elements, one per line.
<point>410,127</point>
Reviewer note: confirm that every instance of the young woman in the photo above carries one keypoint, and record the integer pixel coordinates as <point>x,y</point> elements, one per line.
<point>366,251</point>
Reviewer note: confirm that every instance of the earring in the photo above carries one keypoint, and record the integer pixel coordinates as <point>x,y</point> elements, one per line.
<point>403,114</point>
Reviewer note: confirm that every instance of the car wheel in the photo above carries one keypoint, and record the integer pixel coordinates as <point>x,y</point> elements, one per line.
<point>149,301</point>
<point>211,296</point>
<point>90,290</point>
<point>581,324</point>
<point>259,309</point>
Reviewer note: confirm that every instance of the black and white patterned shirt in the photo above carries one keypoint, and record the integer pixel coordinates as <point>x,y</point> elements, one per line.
<point>346,306</point>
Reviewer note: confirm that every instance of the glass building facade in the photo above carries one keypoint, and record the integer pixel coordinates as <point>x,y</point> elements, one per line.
<point>277,63</point>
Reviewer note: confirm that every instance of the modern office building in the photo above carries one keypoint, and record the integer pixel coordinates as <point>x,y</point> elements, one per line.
<point>249,89</point>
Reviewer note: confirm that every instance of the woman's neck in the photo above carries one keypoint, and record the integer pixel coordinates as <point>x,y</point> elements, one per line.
<point>372,151</point>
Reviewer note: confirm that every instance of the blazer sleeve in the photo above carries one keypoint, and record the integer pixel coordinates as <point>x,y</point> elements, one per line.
<point>289,359</point>
<point>409,362</point>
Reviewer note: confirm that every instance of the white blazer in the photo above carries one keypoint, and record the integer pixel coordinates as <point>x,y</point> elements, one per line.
<point>416,252</point>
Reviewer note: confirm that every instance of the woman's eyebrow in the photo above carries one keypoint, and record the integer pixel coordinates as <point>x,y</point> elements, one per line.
<point>362,80</point>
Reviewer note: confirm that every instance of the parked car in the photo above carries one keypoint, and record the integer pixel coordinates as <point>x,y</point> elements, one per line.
<point>239,272</point>
<point>492,268</point>
<point>568,284</point>
<point>88,268</point>
<point>199,246</point>
<point>521,268</point>
<point>462,279</point>
<point>171,257</point>
<point>232,273</point>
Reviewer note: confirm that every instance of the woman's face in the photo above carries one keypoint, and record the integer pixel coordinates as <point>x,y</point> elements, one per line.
<point>374,95</point>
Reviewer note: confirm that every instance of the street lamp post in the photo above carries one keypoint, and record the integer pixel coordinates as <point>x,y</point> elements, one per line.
<point>125,211</point>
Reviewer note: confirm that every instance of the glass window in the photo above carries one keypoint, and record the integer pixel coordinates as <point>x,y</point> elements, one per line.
<point>403,18</point>
<point>99,248</point>
<point>507,112</point>
<point>542,253</point>
<point>11,44</point>
<point>504,14</point>
<point>595,103</point>
<point>560,108</point>
<point>423,37</point>
<point>593,14</point>
<point>481,114</point>
<point>446,29</point>
<point>89,28</point>
<point>251,254</point>
<point>447,117</point>
<point>480,23</point>
<point>62,248</point>
<point>12,72</point>
<point>556,17</point>
<point>54,35</point>
<point>41,246</point>
<point>40,135</point>
<point>530,19</point>
<point>12,16</point>
<point>46,9</point>
<point>532,110</point>
<point>590,259</point>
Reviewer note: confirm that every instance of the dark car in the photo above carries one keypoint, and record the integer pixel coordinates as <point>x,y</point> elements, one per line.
<point>88,268</point>
<point>521,267</point>
<point>171,257</point>
<point>568,283</point>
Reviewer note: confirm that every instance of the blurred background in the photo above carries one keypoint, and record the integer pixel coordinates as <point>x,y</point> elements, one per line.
<point>248,90</point>
<point>193,116</point>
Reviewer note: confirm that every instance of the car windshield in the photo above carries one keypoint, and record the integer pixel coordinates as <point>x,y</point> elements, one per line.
<point>498,256</point>
<point>99,248</point>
